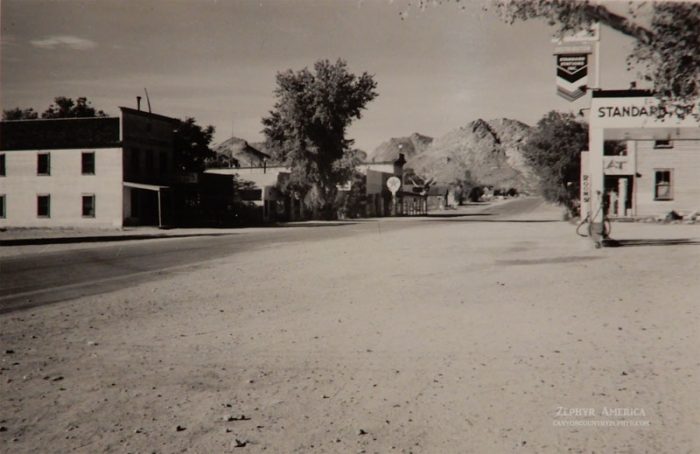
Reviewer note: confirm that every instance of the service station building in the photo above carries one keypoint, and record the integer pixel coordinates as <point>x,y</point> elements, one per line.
<point>646,159</point>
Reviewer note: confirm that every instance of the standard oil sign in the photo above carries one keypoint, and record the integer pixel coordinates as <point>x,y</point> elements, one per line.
<point>572,75</point>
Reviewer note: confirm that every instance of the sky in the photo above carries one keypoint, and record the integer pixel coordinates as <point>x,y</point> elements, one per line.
<point>437,69</point>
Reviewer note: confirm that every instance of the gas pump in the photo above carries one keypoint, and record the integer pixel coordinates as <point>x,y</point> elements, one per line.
<point>599,232</point>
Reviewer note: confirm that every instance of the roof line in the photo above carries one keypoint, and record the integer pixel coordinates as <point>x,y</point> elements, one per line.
<point>629,93</point>
<point>60,119</point>
<point>148,114</point>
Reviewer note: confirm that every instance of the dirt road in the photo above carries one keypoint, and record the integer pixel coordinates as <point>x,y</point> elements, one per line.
<point>49,272</point>
<point>458,336</point>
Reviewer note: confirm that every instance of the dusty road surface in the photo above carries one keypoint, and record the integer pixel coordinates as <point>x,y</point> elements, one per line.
<point>65,269</point>
<point>481,334</point>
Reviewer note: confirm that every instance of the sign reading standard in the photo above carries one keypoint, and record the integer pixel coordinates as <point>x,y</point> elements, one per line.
<point>641,112</point>
<point>637,111</point>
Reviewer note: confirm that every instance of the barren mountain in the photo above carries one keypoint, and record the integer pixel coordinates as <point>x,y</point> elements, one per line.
<point>410,146</point>
<point>242,151</point>
<point>490,150</point>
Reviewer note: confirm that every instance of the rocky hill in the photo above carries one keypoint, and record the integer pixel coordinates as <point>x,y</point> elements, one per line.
<point>490,150</point>
<point>410,146</point>
<point>239,149</point>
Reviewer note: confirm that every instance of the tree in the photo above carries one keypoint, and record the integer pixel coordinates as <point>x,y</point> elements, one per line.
<point>67,108</point>
<point>19,114</point>
<point>553,149</point>
<point>352,203</point>
<point>668,49</point>
<point>306,128</point>
<point>191,145</point>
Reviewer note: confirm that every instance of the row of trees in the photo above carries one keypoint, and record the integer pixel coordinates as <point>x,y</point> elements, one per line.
<point>62,107</point>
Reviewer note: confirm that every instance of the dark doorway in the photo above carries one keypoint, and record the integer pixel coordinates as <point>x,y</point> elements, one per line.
<point>613,198</point>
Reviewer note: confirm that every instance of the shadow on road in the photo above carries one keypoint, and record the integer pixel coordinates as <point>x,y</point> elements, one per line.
<point>547,260</point>
<point>310,224</point>
<point>502,220</point>
<point>98,239</point>
<point>454,215</point>
<point>653,242</point>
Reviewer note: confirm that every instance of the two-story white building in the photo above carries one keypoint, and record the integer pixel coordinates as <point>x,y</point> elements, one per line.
<point>86,172</point>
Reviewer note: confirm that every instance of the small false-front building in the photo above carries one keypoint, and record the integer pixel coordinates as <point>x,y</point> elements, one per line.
<point>646,160</point>
<point>86,172</point>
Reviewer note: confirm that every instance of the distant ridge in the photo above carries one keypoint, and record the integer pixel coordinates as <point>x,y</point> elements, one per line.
<point>491,151</point>
<point>409,146</point>
<point>243,152</point>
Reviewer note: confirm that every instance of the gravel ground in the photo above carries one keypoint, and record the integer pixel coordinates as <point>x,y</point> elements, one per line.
<point>462,337</point>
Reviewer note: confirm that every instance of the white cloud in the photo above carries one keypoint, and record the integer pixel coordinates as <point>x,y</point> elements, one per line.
<point>70,42</point>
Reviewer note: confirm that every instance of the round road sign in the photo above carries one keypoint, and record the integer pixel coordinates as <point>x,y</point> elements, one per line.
<point>393,183</point>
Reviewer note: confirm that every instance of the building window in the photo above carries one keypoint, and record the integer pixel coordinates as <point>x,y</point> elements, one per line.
<point>150,162</point>
<point>43,164</point>
<point>615,148</point>
<point>663,187</point>
<point>2,165</point>
<point>2,206</point>
<point>88,163</point>
<point>43,206</point>
<point>88,205</point>
<point>663,144</point>
<point>163,163</point>
<point>134,162</point>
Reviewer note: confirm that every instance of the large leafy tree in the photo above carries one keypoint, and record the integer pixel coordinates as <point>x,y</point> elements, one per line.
<point>191,144</point>
<point>553,149</point>
<point>68,108</point>
<point>306,129</point>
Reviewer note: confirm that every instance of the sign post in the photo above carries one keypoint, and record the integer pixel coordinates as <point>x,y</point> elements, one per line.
<point>572,84</point>
<point>393,183</point>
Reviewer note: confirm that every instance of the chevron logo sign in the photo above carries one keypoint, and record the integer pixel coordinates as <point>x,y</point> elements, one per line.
<point>572,75</point>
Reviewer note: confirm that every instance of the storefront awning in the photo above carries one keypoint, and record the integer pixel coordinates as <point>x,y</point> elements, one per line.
<point>147,187</point>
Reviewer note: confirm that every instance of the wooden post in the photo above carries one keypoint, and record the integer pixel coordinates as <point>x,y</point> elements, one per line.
<point>160,211</point>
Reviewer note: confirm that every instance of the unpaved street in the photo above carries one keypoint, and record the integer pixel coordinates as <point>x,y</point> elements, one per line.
<point>463,335</point>
<point>48,269</point>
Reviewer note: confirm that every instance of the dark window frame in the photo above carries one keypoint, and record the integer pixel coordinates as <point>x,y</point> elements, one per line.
<point>3,164</point>
<point>48,206</point>
<point>615,148</point>
<point>163,163</point>
<point>82,163</point>
<point>150,169</point>
<point>663,144</point>
<point>135,161</point>
<point>658,184</point>
<point>48,164</point>
<point>83,197</point>
<point>3,206</point>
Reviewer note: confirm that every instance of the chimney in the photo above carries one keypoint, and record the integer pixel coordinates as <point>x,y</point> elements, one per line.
<point>138,103</point>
